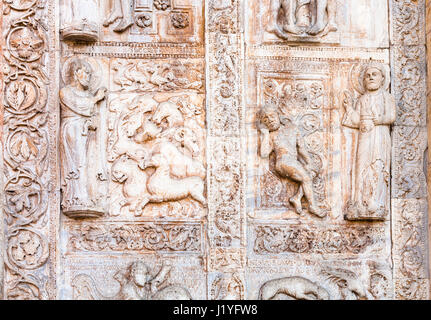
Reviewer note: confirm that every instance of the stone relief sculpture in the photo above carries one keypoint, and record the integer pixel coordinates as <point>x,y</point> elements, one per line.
<point>302,17</point>
<point>156,152</point>
<point>80,20</point>
<point>373,113</point>
<point>122,11</point>
<point>80,146</point>
<point>136,283</point>
<point>297,288</point>
<point>348,285</point>
<point>281,136</point>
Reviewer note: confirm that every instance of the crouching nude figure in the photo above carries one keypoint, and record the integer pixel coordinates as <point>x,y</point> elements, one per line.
<point>284,139</point>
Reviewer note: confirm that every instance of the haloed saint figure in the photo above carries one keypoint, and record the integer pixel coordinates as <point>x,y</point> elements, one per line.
<point>79,149</point>
<point>373,115</point>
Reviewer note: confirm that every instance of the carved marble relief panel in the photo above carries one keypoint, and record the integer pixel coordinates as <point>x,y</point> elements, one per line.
<point>171,21</point>
<point>143,126</point>
<point>347,23</point>
<point>220,149</point>
<point>29,127</point>
<point>147,277</point>
<point>301,180</point>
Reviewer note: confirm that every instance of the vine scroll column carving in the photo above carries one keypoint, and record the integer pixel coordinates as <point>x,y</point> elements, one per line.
<point>30,122</point>
<point>409,197</point>
<point>226,261</point>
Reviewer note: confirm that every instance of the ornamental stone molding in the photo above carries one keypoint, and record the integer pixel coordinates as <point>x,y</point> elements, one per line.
<point>215,150</point>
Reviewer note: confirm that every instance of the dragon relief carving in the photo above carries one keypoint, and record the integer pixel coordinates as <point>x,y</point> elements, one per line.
<point>156,153</point>
<point>136,283</point>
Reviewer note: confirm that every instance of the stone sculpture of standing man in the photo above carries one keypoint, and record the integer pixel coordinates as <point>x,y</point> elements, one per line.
<point>79,151</point>
<point>321,17</point>
<point>122,11</point>
<point>284,139</point>
<point>373,115</point>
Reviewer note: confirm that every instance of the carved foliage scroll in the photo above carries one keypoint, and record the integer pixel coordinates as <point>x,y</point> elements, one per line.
<point>28,142</point>
<point>226,174</point>
<point>411,277</point>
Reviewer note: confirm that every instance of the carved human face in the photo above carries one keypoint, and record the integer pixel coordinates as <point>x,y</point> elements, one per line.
<point>373,79</point>
<point>271,120</point>
<point>83,76</point>
<point>140,273</point>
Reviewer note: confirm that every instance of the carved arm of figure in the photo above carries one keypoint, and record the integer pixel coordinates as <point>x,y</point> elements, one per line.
<point>266,146</point>
<point>351,117</point>
<point>159,278</point>
<point>390,114</point>
<point>100,95</point>
<point>303,153</point>
<point>68,100</point>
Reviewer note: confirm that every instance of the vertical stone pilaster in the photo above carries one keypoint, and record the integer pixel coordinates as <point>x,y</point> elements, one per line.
<point>409,195</point>
<point>226,162</point>
<point>30,125</point>
<point>428,47</point>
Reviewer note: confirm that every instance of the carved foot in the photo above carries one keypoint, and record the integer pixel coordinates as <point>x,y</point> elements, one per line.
<point>272,27</point>
<point>114,15</point>
<point>296,203</point>
<point>317,211</point>
<point>292,29</point>
<point>123,25</point>
<point>316,29</point>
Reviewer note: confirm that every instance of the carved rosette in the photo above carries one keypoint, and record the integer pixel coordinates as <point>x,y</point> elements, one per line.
<point>411,278</point>
<point>226,173</point>
<point>29,143</point>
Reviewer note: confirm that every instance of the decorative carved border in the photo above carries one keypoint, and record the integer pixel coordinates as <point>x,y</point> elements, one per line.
<point>30,113</point>
<point>135,237</point>
<point>226,178</point>
<point>409,212</point>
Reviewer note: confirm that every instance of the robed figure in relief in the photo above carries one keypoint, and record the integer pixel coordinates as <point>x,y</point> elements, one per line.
<point>373,115</point>
<point>79,149</point>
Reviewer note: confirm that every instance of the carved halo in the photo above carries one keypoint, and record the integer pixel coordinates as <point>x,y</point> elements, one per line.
<point>357,73</point>
<point>96,74</point>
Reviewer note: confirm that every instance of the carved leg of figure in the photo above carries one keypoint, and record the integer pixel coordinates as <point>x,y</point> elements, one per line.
<point>289,7</point>
<point>116,13</point>
<point>273,16</point>
<point>127,21</point>
<point>295,171</point>
<point>139,209</point>
<point>198,194</point>
<point>319,25</point>
<point>309,194</point>
<point>296,201</point>
<point>332,11</point>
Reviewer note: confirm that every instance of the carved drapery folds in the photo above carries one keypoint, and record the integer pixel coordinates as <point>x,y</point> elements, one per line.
<point>222,149</point>
<point>29,143</point>
<point>80,20</point>
<point>302,18</point>
<point>373,113</point>
<point>83,176</point>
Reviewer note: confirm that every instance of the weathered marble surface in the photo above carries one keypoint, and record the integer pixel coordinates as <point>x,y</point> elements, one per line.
<point>222,149</point>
